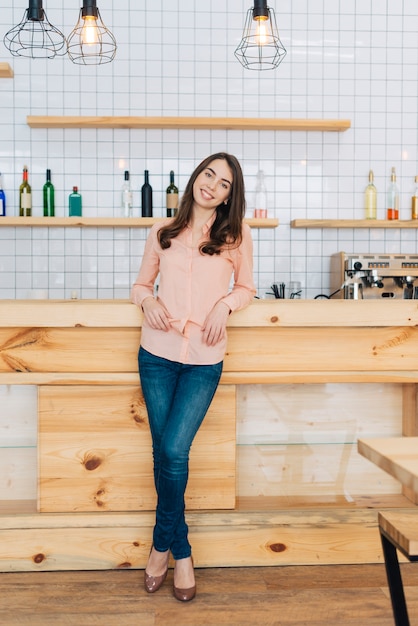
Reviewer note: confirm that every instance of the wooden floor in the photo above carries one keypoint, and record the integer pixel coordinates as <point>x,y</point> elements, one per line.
<point>341,595</point>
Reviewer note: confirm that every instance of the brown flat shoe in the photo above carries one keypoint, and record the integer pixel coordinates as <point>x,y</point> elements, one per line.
<point>184,595</point>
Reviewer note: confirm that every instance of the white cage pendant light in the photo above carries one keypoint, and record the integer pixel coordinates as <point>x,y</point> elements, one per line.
<point>34,36</point>
<point>260,47</point>
<point>91,42</point>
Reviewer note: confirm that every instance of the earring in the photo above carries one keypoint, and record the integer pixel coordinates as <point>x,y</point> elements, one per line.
<point>226,201</point>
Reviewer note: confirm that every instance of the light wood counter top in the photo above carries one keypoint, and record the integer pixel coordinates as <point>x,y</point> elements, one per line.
<point>261,313</point>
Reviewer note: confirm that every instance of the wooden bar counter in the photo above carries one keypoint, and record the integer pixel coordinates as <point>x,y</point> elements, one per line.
<point>95,497</point>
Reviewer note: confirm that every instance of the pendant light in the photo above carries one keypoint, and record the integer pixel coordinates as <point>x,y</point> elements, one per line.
<point>34,36</point>
<point>260,47</point>
<point>91,43</point>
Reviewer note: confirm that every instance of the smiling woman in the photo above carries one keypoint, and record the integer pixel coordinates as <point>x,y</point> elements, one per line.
<point>183,340</point>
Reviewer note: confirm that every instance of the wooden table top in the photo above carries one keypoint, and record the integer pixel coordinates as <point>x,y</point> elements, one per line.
<point>398,456</point>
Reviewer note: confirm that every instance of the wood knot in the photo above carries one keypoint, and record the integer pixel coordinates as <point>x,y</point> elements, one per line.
<point>38,558</point>
<point>277,547</point>
<point>138,410</point>
<point>274,319</point>
<point>92,462</point>
<point>136,544</point>
<point>124,565</point>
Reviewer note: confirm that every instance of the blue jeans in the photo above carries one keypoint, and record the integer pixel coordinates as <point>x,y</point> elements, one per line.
<point>177,397</point>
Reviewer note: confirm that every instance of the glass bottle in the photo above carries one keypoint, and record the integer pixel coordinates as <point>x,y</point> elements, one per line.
<point>2,199</point>
<point>146,197</point>
<point>25,196</point>
<point>172,197</point>
<point>414,207</point>
<point>49,196</point>
<point>393,198</point>
<point>127,196</point>
<point>370,199</point>
<point>74,203</point>
<point>260,203</point>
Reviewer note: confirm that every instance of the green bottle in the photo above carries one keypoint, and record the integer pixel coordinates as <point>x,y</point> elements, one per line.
<point>49,196</point>
<point>74,203</point>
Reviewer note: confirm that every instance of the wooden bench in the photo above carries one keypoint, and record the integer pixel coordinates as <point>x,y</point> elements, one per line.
<point>398,531</point>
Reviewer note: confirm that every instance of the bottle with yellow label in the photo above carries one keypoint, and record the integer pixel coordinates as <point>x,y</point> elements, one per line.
<point>414,207</point>
<point>370,199</point>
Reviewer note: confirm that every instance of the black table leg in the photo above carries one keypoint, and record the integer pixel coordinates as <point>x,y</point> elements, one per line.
<point>393,574</point>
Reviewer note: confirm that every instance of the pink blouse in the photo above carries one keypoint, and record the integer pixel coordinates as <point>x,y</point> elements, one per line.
<point>190,285</point>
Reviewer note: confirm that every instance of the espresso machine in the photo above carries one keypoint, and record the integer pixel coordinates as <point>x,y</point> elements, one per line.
<point>374,276</point>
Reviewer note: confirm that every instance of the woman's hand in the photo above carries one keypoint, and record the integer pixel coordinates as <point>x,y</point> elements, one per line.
<point>215,324</point>
<point>155,314</point>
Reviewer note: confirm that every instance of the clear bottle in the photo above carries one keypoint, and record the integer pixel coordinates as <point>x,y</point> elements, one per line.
<point>49,196</point>
<point>370,199</point>
<point>172,197</point>
<point>127,196</point>
<point>260,196</point>
<point>2,199</point>
<point>392,212</point>
<point>25,196</point>
<point>74,203</point>
<point>146,197</point>
<point>414,206</point>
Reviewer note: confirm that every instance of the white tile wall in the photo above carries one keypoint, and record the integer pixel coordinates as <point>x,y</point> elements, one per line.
<point>176,57</point>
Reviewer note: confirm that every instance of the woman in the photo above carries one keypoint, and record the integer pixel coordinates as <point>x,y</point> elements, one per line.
<point>183,340</point>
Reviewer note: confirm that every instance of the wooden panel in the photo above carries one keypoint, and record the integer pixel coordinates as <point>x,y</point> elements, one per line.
<point>320,470</point>
<point>323,349</point>
<point>209,123</point>
<point>69,350</point>
<point>5,71</point>
<point>409,424</point>
<point>300,440</point>
<point>304,537</point>
<point>228,378</point>
<point>18,472</point>
<point>263,349</point>
<point>354,223</point>
<point>95,451</point>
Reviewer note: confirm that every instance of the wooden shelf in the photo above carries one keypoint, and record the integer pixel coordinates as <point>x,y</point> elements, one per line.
<point>112,222</point>
<point>354,223</point>
<point>210,123</point>
<point>6,71</point>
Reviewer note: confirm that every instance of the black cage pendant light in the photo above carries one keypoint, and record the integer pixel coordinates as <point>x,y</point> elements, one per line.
<point>34,36</point>
<point>91,43</point>
<point>260,47</point>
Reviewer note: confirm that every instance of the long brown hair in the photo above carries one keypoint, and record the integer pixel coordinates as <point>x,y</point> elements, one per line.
<point>226,230</point>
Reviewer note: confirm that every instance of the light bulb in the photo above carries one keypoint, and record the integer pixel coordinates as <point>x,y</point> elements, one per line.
<point>89,32</point>
<point>261,32</point>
